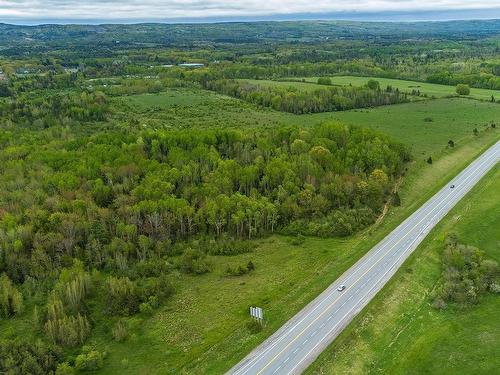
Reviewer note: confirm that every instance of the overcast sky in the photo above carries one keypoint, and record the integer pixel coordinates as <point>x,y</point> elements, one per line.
<point>143,10</point>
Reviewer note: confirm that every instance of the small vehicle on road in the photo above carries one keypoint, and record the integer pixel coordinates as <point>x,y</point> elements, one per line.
<point>341,288</point>
<point>452,186</point>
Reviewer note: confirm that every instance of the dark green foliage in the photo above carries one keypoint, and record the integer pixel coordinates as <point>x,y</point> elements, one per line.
<point>240,270</point>
<point>396,200</point>
<point>451,143</point>
<point>21,357</point>
<point>338,223</point>
<point>374,85</point>
<point>463,89</point>
<point>475,131</point>
<point>466,275</point>
<point>89,360</point>
<point>194,261</point>
<point>324,81</point>
<point>126,297</point>
<point>254,326</point>
<point>123,296</point>
<point>337,98</point>
<point>429,160</point>
<point>4,89</point>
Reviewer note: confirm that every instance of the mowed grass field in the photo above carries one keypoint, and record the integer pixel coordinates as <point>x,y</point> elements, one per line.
<point>431,89</point>
<point>401,333</point>
<point>425,126</point>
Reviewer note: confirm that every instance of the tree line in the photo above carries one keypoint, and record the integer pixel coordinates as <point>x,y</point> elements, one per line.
<point>290,99</point>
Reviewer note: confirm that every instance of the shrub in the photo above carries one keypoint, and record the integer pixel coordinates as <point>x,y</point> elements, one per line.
<point>373,84</point>
<point>466,274</point>
<point>146,308</point>
<point>240,270</point>
<point>64,369</point>
<point>463,89</point>
<point>324,81</point>
<point>119,331</point>
<point>69,330</point>
<point>429,161</point>
<point>396,200</point>
<point>122,296</point>
<point>89,360</point>
<point>194,261</point>
<point>11,300</point>
<point>254,326</point>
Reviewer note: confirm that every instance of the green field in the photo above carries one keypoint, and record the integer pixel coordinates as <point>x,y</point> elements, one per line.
<point>425,126</point>
<point>453,119</point>
<point>411,337</point>
<point>309,84</point>
<point>431,89</point>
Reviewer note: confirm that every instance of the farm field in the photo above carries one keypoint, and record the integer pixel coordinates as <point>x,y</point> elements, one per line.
<point>412,337</point>
<point>425,126</point>
<point>431,89</point>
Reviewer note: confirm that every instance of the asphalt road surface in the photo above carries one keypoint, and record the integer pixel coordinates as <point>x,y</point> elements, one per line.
<point>297,344</point>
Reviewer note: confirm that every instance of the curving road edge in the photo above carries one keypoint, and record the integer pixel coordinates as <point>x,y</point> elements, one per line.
<point>293,347</point>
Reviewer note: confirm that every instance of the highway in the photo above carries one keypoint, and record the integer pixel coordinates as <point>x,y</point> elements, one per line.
<point>292,348</point>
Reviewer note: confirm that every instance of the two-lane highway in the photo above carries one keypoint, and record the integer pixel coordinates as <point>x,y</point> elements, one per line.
<point>295,345</point>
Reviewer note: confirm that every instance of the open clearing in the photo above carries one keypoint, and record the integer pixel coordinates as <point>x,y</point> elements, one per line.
<point>431,89</point>
<point>425,126</point>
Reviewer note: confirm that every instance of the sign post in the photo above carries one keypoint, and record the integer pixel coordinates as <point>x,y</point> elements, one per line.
<point>257,314</point>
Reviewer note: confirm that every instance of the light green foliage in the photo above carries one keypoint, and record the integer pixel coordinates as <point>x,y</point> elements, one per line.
<point>466,274</point>
<point>68,330</point>
<point>89,360</point>
<point>64,369</point>
<point>11,300</point>
<point>119,331</point>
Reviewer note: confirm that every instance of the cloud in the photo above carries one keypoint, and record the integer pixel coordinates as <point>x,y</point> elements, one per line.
<point>171,9</point>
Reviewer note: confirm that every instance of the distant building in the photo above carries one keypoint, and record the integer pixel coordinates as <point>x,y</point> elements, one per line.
<point>26,71</point>
<point>192,65</point>
<point>71,70</point>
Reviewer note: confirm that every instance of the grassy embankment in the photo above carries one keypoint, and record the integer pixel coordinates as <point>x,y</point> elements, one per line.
<point>399,332</point>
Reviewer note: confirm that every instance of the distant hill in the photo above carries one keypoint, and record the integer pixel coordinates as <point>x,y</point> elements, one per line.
<point>46,37</point>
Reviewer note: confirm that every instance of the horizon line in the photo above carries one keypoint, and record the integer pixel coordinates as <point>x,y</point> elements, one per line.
<point>392,16</point>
